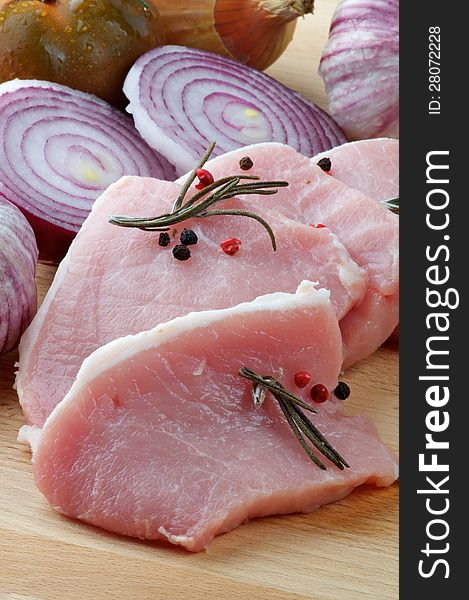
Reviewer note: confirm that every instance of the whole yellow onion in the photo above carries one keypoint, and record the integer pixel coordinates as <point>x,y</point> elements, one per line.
<point>255,32</point>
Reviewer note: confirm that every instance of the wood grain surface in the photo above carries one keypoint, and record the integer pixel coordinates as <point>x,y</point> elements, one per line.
<point>344,551</point>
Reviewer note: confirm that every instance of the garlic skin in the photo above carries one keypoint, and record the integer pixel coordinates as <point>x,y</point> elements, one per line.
<point>360,68</point>
<point>255,32</point>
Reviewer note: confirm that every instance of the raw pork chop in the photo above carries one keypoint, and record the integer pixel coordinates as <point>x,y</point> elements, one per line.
<point>158,437</point>
<point>370,166</point>
<point>115,282</point>
<point>368,230</point>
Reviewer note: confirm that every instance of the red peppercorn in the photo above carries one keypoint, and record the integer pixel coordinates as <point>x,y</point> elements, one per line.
<point>230,246</point>
<point>302,378</point>
<point>205,178</point>
<point>317,225</point>
<point>319,393</point>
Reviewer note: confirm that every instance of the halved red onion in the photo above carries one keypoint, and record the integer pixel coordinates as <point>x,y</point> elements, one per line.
<point>59,150</point>
<point>18,258</point>
<point>182,99</point>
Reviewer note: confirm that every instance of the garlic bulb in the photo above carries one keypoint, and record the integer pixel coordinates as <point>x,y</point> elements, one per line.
<point>360,68</point>
<point>255,32</point>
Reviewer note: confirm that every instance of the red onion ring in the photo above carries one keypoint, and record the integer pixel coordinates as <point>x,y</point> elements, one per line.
<point>182,99</point>
<point>18,258</point>
<point>59,150</point>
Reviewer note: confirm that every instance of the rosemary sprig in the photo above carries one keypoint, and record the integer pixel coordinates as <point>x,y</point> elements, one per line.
<point>199,204</point>
<point>273,386</point>
<point>244,213</point>
<point>392,204</point>
<point>300,424</point>
<point>192,175</point>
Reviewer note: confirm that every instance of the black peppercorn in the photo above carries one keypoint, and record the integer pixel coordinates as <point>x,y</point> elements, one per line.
<point>181,252</point>
<point>342,391</point>
<point>164,239</point>
<point>246,163</point>
<point>325,164</point>
<point>188,237</point>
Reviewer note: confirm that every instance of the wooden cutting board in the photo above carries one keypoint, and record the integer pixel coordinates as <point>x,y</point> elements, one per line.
<point>344,551</point>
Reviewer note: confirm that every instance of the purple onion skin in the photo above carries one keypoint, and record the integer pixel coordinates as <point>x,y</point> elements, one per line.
<point>53,241</point>
<point>360,68</point>
<point>18,259</point>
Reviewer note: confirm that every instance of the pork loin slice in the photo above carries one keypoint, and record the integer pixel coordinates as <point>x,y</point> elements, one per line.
<point>370,166</point>
<point>368,230</point>
<point>158,437</point>
<point>115,282</point>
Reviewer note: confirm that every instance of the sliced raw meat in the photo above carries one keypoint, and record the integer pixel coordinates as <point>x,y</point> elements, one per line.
<point>363,325</point>
<point>158,437</point>
<point>369,166</point>
<point>115,282</point>
<point>368,230</point>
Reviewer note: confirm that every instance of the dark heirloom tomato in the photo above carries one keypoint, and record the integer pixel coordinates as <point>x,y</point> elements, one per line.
<point>86,44</point>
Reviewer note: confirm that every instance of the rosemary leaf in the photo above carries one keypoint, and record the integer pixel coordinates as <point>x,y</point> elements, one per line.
<point>258,394</point>
<point>265,184</point>
<point>316,438</point>
<point>216,185</point>
<point>155,228</point>
<point>392,204</point>
<point>247,192</point>
<point>284,406</point>
<point>274,386</point>
<point>322,438</point>
<point>244,213</point>
<point>303,429</point>
<point>193,174</point>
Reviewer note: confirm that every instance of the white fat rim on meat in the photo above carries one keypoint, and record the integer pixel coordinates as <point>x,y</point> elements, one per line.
<point>175,539</point>
<point>29,434</point>
<point>117,351</point>
<point>351,274</point>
